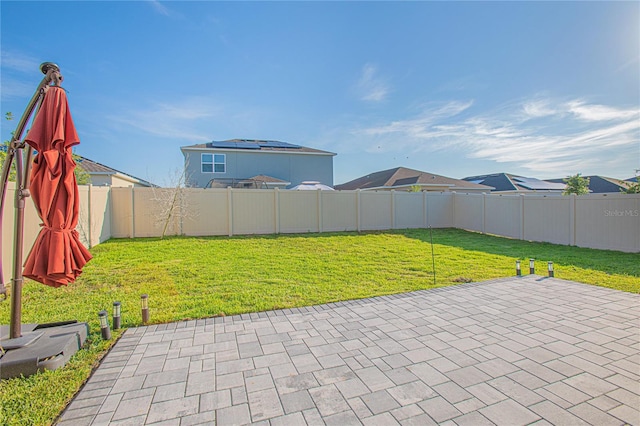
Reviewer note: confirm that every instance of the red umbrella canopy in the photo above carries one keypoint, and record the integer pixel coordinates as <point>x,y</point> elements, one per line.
<point>57,256</point>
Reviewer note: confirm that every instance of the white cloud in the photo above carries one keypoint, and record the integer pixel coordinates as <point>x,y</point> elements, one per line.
<point>15,67</point>
<point>587,112</point>
<point>628,64</point>
<point>19,62</point>
<point>424,125</point>
<point>159,7</point>
<point>13,89</point>
<point>465,83</point>
<point>371,87</point>
<point>538,108</point>
<point>565,135</point>
<point>181,120</point>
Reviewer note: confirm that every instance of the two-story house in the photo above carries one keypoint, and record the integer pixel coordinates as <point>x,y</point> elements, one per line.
<point>247,163</point>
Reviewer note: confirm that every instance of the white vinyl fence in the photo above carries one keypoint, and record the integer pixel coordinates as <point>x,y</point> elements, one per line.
<point>602,221</point>
<point>610,221</point>
<point>137,212</point>
<point>94,223</point>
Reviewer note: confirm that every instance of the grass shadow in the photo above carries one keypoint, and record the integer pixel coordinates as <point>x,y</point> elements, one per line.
<point>607,261</point>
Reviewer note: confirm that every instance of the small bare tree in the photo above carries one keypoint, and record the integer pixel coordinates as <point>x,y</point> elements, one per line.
<point>171,203</point>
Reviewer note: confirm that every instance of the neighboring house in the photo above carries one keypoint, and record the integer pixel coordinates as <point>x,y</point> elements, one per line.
<point>506,183</point>
<point>102,175</point>
<point>244,163</point>
<point>403,179</point>
<point>602,184</point>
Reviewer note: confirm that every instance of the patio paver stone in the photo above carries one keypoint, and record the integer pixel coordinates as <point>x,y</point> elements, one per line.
<point>509,351</point>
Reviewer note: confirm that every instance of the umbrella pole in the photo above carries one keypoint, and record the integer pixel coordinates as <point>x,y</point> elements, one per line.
<point>22,193</point>
<point>52,74</point>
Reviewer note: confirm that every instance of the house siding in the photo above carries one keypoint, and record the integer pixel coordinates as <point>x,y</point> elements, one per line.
<point>242,164</point>
<point>100,180</point>
<point>119,182</point>
<point>113,180</point>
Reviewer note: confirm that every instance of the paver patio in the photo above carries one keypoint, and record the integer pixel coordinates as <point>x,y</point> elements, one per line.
<point>512,351</point>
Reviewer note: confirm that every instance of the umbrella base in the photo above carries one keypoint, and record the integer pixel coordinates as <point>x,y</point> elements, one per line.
<point>25,340</point>
<point>41,347</point>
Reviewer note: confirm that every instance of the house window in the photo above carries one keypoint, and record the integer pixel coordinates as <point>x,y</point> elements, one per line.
<point>214,163</point>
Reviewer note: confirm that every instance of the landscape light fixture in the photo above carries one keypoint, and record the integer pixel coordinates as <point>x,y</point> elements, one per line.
<point>145,308</point>
<point>518,270</point>
<point>104,325</point>
<point>116,315</point>
<point>532,266</point>
<point>550,266</point>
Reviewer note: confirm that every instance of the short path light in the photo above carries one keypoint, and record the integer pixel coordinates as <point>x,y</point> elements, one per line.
<point>532,266</point>
<point>518,270</point>
<point>104,325</point>
<point>550,266</point>
<point>145,308</point>
<point>116,315</point>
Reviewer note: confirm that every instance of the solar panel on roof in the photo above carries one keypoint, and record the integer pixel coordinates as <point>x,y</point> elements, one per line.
<point>269,144</point>
<point>251,144</point>
<point>277,144</point>
<point>234,145</point>
<point>223,144</point>
<point>247,145</point>
<point>534,184</point>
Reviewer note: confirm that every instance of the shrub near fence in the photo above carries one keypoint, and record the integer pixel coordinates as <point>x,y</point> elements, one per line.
<point>610,221</point>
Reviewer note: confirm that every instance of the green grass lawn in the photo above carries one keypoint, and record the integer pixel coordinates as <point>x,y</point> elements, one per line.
<point>190,278</point>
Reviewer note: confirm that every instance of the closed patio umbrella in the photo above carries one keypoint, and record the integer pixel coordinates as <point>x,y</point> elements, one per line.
<point>57,256</point>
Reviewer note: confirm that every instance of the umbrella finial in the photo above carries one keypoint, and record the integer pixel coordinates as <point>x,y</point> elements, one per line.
<point>52,72</point>
<point>46,66</point>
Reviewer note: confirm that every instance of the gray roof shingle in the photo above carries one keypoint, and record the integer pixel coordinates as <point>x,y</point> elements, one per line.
<point>402,177</point>
<point>510,182</point>
<point>602,184</point>
<point>93,167</point>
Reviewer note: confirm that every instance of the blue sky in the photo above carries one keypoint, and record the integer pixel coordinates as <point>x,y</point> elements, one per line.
<point>543,89</point>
